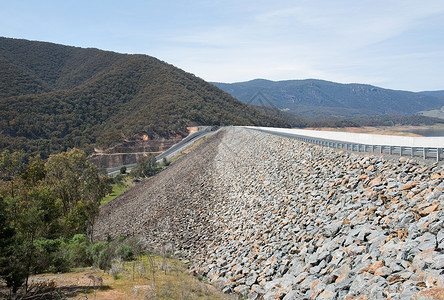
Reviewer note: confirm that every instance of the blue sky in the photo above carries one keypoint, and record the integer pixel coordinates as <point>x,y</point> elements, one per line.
<point>397,44</point>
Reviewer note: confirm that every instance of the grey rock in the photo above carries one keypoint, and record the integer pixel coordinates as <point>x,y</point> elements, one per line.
<point>307,283</point>
<point>280,200</point>
<point>358,284</point>
<point>440,236</point>
<point>395,266</point>
<point>300,277</point>
<point>427,241</point>
<point>441,246</point>
<point>251,280</point>
<point>292,295</point>
<point>254,296</point>
<point>408,250</point>
<point>332,229</point>
<point>242,290</point>
<point>438,262</point>
<point>344,284</point>
<point>315,270</point>
<point>257,289</point>
<point>308,294</point>
<point>297,267</point>
<point>408,292</point>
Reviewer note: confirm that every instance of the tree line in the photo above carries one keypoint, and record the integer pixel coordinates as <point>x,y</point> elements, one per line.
<point>48,208</point>
<point>43,205</point>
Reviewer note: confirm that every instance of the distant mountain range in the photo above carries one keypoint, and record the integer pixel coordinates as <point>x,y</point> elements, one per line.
<point>323,98</point>
<point>55,97</point>
<point>437,94</point>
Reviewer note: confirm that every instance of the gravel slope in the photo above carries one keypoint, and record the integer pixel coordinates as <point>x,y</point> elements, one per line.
<point>170,209</point>
<point>276,218</point>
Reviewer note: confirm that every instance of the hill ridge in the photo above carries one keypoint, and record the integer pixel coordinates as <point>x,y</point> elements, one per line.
<point>315,97</point>
<point>55,97</point>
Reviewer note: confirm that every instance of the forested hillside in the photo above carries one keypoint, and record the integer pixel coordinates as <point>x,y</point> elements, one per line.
<point>437,94</point>
<point>323,98</point>
<point>55,97</point>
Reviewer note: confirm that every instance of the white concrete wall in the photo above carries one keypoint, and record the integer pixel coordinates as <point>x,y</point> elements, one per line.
<point>362,138</point>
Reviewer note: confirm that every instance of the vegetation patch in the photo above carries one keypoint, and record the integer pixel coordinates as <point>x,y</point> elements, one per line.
<point>47,208</point>
<point>149,276</point>
<point>120,184</point>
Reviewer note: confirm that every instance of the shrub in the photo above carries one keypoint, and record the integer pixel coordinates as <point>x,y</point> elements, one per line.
<point>101,255</point>
<point>77,250</point>
<point>50,257</point>
<point>116,268</point>
<point>125,252</point>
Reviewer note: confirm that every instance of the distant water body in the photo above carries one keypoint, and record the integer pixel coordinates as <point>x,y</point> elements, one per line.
<point>429,132</point>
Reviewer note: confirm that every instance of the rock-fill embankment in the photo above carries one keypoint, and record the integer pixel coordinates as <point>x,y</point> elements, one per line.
<point>170,209</point>
<point>299,221</point>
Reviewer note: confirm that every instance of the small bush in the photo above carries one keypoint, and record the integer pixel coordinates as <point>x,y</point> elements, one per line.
<point>118,179</point>
<point>78,250</point>
<point>125,252</point>
<point>116,268</point>
<point>101,255</point>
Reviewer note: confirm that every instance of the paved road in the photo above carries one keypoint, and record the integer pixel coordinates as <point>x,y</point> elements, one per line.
<point>173,150</point>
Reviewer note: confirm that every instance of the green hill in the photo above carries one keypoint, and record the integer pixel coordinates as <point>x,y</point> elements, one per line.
<point>323,98</point>
<point>55,97</point>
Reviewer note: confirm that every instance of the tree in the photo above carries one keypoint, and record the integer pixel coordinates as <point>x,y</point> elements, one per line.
<point>146,167</point>
<point>11,166</point>
<point>55,199</point>
<point>29,219</point>
<point>10,270</point>
<point>77,184</point>
<point>34,171</point>
<point>123,170</point>
<point>37,218</point>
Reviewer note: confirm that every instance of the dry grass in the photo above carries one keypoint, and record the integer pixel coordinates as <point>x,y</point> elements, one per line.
<point>134,281</point>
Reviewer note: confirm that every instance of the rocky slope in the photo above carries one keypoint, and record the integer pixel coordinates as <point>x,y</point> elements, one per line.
<point>276,218</point>
<point>130,151</point>
<point>171,208</point>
